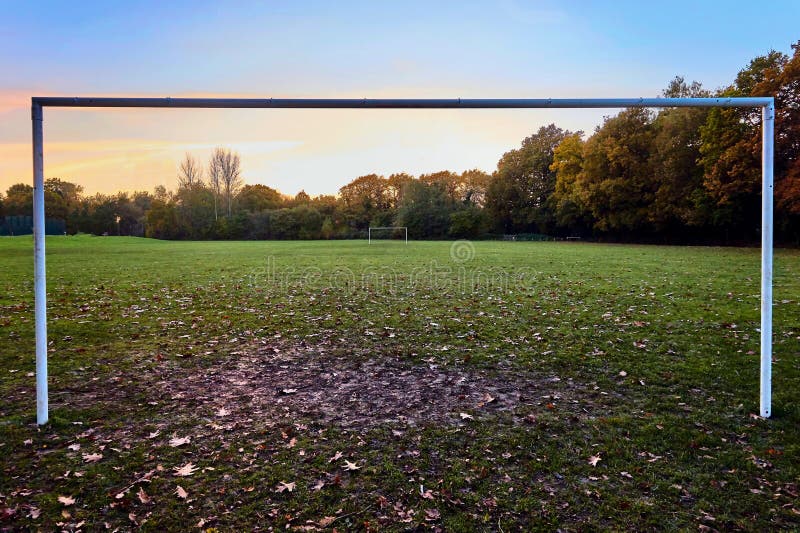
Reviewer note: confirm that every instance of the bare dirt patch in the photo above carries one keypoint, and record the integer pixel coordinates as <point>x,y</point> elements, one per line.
<point>271,383</point>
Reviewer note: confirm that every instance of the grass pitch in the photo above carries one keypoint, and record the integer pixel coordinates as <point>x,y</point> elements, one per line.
<point>456,386</point>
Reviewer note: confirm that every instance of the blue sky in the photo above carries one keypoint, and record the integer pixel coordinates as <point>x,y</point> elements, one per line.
<point>343,49</point>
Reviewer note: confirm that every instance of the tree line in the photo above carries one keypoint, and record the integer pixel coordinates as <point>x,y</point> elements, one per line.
<point>667,175</point>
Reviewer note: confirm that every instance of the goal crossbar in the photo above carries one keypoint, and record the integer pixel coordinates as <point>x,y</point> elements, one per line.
<point>393,228</point>
<point>767,105</point>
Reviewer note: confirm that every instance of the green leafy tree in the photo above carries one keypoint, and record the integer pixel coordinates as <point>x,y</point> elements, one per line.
<point>425,210</point>
<point>568,200</point>
<point>517,197</point>
<point>617,174</point>
<point>259,197</point>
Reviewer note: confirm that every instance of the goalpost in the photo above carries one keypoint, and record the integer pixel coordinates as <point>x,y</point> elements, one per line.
<point>767,105</point>
<point>392,228</point>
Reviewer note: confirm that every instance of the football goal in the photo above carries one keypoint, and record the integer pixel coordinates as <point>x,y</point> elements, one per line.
<point>766,104</point>
<point>387,232</point>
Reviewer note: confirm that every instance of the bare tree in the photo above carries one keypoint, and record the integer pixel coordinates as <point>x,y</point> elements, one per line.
<point>190,173</point>
<point>231,178</point>
<point>215,171</point>
<point>225,176</point>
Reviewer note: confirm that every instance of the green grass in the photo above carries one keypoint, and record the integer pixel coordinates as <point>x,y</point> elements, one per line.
<point>644,356</point>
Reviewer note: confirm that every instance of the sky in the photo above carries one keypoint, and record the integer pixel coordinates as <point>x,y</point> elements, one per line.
<point>409,49</point>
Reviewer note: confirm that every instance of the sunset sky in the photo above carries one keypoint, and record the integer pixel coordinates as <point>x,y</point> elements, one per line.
<point>343,50</point>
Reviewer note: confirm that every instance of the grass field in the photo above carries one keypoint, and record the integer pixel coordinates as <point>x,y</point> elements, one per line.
<point>336,385</point>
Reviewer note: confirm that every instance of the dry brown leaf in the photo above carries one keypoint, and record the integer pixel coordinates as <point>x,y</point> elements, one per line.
<point>283,486</point>
<point>223,412</point>
<point>432,514</point>
<point>179,441</point>
<point>593,460</point>
<point>66,500</point>
<point>143,497</point>
<point>336,457</point>
<point>466,416</point>
<point>350,466</point>
<point>186,470</point>
<point>181,492</point>
<point>92,457</point>
<point>326,521</point>
<point>318,485</point>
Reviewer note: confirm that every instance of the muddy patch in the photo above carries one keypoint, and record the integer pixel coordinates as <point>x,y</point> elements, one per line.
<point>353,390</point>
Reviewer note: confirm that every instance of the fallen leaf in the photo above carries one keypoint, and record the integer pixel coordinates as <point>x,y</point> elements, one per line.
<point>66,500</point>
<point>466,416</point>
<point>318,485</point>
<point>74,447</point>
<point>223,412</point>
<point>426,494</point>
<point>622,373</point>
<point>292,442</point>
<point>143,497</point>
<point>92,457</point>
<point>283,486</point>
<point>432,514</point>
<point>325,522</point>
<point>186,470</point>
<point>336,457</point>
<point>181,492</point>
<point>179,441</point>
<point>594,459</point>
<point>154,434</point>
<point>350,466</point>
<point>288,391</point>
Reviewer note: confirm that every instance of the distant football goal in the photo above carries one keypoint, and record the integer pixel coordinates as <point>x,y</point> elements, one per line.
<point>383,233</point>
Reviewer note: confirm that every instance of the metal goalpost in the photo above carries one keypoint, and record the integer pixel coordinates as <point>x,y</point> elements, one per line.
<point>369,232</point>
<point>767,105</point>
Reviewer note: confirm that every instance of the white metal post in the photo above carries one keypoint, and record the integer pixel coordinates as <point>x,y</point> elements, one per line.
<point>39,281</point>
<point>767,152</point>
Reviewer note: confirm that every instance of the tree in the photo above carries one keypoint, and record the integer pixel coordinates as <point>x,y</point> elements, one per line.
<point>215,172</point>
<point>449,182</point>
<point>190,173</point>
<point>19,200</point>
<point>467,222</point>
<point>517,196</point>
<point>425,210</point>
<point>474,185</point>
<point>231,177</point>
<point>680,197</point>
<point>616,178</point>
<point>302,198</point>
<point>258,197</point>
<point>568,199</point>
<point>731,148</point>
<point>395,186</point>
<point>363,198</point>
